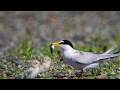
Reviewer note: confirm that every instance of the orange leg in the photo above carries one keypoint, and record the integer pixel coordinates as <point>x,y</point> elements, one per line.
<point>82,74</point>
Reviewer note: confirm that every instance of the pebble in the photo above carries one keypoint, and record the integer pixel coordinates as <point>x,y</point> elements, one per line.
<point>63,65</point>
<point>71,77</point>
<point>21,76</point>
<point>66,74</point>
<point>112,73</point>
<point>4,61</point>
<point>106,63</point>
<point>118,68</point>
<point>11,59</point>
<point>117,77</point>
<point>18,63</point>
<point>25,66</point>
<point>65,77</point>
<point>10,69</point>
<point>8,73</point>
<point>101,77</point>
<point>20,66</point>
<point>13,64</point>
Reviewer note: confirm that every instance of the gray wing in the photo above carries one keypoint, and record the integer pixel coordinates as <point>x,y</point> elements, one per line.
<point>106,56</point>
<point>84,57</point>
<point>88,57</point>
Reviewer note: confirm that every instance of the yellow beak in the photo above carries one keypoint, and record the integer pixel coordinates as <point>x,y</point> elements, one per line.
<point>56,44</point>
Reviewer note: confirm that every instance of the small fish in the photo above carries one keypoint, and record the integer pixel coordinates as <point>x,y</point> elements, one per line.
<point>52,48</point>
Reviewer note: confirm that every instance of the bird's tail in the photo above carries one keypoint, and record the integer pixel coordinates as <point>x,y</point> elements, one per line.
<point>117,52</point>
<point>108,56</point>
<point>109,53</point>
<point>111,49</point>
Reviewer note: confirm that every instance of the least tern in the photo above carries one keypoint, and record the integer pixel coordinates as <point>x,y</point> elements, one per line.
<point>83,60</point>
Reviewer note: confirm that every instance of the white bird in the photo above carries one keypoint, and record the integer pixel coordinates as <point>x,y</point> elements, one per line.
<point>83,60</point>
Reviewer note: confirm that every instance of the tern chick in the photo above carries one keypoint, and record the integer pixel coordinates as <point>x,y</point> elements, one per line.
<point>36,68</point>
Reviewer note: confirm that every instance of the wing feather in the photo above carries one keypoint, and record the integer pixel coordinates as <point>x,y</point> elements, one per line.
<point>88,57</point>
<point>84,57</point>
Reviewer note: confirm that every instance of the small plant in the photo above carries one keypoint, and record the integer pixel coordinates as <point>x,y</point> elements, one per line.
<point>3,66</point>
<point>52,68</point>
<point>3,76</point>
<point>45,76</point>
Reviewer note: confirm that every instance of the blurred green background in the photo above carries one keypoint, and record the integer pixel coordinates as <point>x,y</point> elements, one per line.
<point>42,27</point>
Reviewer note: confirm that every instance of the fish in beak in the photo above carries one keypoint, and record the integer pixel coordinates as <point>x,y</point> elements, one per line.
<point>52,45</point>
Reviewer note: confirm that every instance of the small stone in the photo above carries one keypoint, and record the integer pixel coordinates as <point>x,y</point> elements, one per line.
<point>112,72</point>
<point>61,74</point>
<point>25,66</point>
<point>18,63</point>
<point>13,64</point>
<point>13,59</point>
<point>117,77</point>
<point>20,66</point>
<point>118,68</point>
<point>4,61</point>
<point>101,77</point>
<point>66,74</point>
<point>8,73</point>
<point>12,44</point>
<point>71,76</point>
<point>65,77</point>
<point>21,76</point>
<point>87,39</point>
<point>63,65</point>
<point>106,63</point>
<point>10,69</point>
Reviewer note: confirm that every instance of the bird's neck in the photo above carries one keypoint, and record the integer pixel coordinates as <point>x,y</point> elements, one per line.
<point>67,48</point>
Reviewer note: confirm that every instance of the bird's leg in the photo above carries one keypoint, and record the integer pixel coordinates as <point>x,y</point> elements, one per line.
<point>78,75</point>
<point>82,74</point>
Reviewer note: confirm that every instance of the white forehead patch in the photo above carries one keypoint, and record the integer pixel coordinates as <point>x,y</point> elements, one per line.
<point>61,41</point>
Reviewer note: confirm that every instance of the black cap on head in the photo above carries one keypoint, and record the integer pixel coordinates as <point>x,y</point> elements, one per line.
<point>66,42</point>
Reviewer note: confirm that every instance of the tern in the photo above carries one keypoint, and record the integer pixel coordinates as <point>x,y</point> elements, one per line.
<point>81,60</point>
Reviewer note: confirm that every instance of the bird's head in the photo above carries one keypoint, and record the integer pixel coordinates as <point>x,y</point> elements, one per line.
<point>35,63</point>
<point>65,44</point>
<point>46,61</point>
